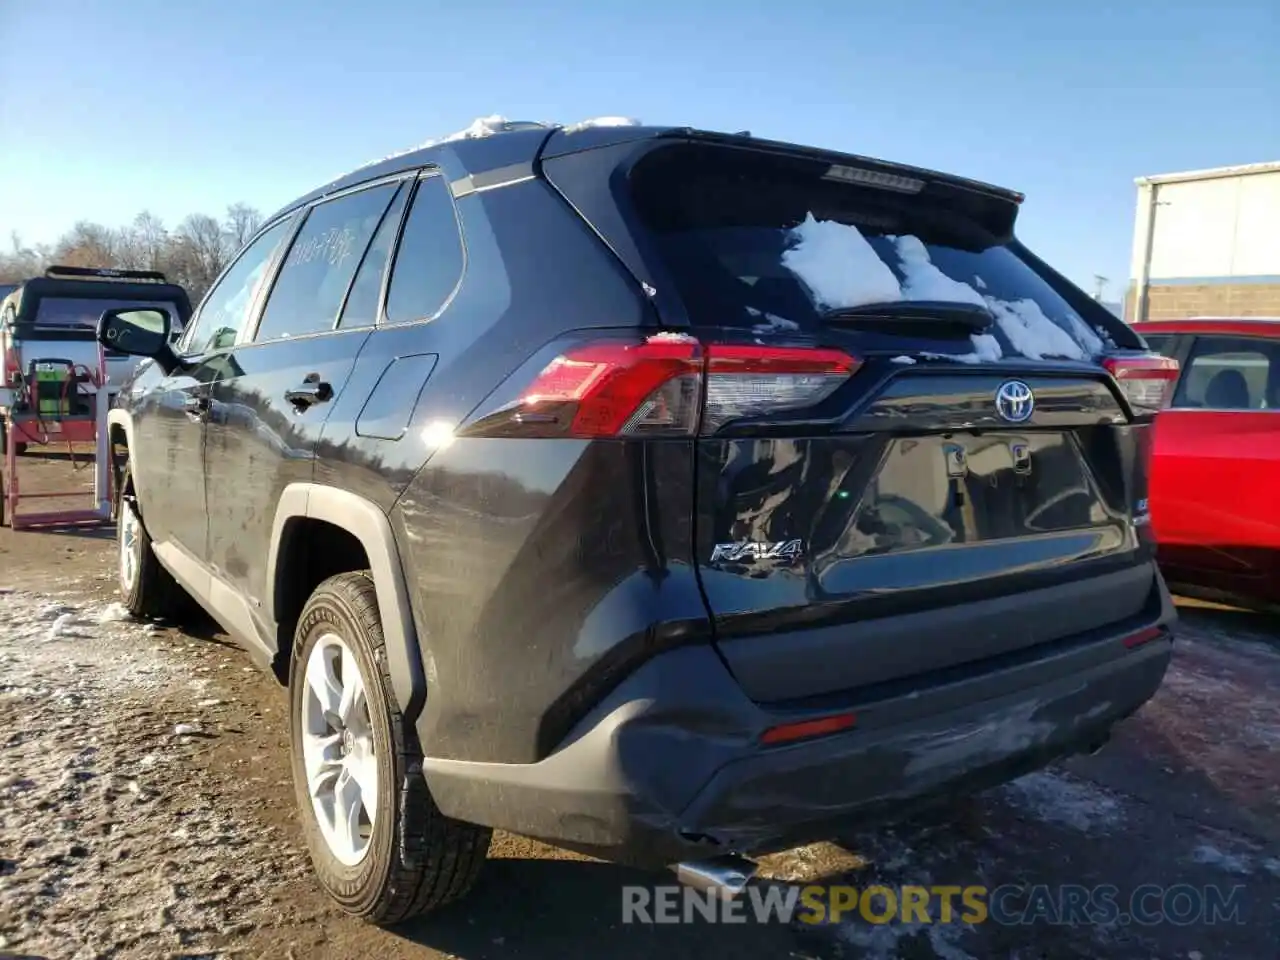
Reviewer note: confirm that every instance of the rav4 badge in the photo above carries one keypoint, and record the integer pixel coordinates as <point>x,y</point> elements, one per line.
<point>757,550</point>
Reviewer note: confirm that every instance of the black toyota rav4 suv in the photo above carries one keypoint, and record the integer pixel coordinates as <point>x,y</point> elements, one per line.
<point>666,495</point>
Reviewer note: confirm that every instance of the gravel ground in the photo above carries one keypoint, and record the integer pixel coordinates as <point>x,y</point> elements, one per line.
<point>145,811</point>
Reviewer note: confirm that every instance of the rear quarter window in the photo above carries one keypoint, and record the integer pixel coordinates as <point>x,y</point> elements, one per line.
<point>429,261</point>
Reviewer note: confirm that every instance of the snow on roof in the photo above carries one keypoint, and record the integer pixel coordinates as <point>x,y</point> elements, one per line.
<point>496,123</point>
<point>602,122</point>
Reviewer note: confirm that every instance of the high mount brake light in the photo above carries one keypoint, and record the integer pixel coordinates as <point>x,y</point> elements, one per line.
<point>667,384</point>
<point>1147,379</point>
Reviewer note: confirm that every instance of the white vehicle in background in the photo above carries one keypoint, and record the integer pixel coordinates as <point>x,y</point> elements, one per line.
<point>50,322</point>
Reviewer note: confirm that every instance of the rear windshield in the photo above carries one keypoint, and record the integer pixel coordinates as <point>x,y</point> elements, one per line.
<point>83,312</point>
<point>772,244</point>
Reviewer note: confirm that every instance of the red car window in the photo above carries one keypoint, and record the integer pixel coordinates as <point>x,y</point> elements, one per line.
<point>1229,373</point>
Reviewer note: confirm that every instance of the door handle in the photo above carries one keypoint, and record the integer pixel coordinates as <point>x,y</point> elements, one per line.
<point>312,390</point>
<point>196,408</point>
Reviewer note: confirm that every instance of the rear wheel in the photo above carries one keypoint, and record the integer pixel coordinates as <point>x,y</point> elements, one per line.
<point>380,846</point>
<point>146,588</point>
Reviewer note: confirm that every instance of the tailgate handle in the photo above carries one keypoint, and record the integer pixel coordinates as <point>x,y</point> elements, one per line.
<point>313,390</point>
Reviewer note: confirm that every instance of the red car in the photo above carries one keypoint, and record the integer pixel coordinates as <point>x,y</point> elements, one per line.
<point>1215,471</point>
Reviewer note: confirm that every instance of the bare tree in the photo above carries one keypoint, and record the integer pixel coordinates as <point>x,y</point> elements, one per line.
<point>200,252</point>
<point>21,261</point>
<point>88,244</point>
<point>242,223</point>
<point>193,254</point>
<point>149,240</point>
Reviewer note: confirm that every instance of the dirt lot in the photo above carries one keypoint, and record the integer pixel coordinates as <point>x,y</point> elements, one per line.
<point>123,834</point>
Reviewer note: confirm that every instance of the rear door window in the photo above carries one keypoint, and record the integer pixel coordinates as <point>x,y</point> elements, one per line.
<point>1230,373</point>
<point>361,308</point>
<point>771,244</point>
<point>321,263</point>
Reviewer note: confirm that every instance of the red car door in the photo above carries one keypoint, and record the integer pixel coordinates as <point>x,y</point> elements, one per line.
<point>1215,474</point>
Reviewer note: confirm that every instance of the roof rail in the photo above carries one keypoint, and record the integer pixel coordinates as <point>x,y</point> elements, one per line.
<point>103,273</point>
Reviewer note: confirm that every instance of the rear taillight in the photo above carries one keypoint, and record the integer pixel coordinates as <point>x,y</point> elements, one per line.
<point>666,385</point>
<point>1147,379</point>
<point>753,381</point>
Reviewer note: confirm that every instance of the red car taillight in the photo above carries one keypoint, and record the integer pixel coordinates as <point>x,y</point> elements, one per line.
<point>667,385</point>
<point>1147,379</point>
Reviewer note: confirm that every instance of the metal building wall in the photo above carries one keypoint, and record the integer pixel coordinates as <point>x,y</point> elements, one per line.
<point>1207,244</point>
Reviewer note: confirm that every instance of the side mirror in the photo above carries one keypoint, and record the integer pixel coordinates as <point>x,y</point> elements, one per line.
<point>140,332</point>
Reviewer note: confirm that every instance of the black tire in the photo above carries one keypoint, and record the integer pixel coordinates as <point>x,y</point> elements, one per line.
<point>417,859</point>
<point>151,593</point>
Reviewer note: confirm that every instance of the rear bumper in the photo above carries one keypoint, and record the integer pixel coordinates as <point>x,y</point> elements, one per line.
<point>670,766</point>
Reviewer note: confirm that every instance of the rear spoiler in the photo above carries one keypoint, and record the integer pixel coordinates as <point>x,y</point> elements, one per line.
<point>103,273</point>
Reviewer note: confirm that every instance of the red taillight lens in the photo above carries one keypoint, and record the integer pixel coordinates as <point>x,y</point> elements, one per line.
<point>667,384</point>
<point>1147,379</point>
<point>1144,636</point>
<point>622,388</point>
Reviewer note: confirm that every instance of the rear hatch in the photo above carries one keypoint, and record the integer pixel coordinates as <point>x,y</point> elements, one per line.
<point>913,455</point>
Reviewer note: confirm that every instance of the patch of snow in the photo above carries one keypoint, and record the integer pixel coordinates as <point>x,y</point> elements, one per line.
<point>1230,862</point>
<point>208,703</point>
<point>908,361</point>
<point>478,128</point>
<point>838,265</point>
<point>921,280</point>
<point>672,336</point>
<point>1272,866</point>
<point>601,122</point>
<point>51,611</point>
<point>979,282</point>
<point>185,729</point>
<point>1056,798</point>
<point>986,348</point>
<point>61,625</point>
<point>1033,334</point>
<point>772,324</point>
<point>115,612</point>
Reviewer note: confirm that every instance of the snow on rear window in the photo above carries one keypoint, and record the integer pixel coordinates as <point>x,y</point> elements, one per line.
<point>838,265</point>
<point>923,281</point>
<point>841,268</point>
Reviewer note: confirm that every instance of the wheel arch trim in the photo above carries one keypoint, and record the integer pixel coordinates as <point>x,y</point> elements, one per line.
<point>118,419</point>
<point>367,523</point>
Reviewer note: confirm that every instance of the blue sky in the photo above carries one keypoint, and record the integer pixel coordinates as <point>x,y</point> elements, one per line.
<point>109,108</point>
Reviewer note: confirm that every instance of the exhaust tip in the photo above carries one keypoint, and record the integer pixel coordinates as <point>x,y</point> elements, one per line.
<point>726,876</point>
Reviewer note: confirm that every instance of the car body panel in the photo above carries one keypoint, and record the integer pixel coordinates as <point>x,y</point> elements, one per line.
<point>261,443</point>
<point>1214,473</point>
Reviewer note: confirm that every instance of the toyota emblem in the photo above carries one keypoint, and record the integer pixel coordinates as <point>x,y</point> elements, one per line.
<point>1015,402</point>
